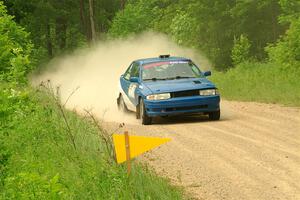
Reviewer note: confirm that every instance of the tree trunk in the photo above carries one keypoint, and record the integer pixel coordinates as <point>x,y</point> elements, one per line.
<point>61,32</point>
<point>85,28</point>
<point>48,40</point>
<point>123,3</point>
<point>91,5</point>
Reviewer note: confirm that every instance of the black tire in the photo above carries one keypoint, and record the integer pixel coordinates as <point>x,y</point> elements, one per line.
<point>214,116</point>
<point>121,104</point>
<point>145,119</point>
<point>137,112</point>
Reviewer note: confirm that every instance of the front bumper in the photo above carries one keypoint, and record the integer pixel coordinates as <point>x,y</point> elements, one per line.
<point>182,105</point>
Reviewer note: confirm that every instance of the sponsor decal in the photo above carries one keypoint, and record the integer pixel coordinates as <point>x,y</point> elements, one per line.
<point>147,66</point>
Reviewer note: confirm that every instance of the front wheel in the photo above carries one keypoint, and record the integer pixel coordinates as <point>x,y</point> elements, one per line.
<point>214,116</point>
<point>145,119</point>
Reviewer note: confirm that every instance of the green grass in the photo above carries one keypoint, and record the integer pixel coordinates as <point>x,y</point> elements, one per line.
<point>38,159</point>
<point>261,82</point>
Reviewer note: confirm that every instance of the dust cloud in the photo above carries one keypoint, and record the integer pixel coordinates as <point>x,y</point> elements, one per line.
<point>95,72</point>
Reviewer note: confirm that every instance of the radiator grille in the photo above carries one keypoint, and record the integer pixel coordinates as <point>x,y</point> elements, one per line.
<point>187,93</point>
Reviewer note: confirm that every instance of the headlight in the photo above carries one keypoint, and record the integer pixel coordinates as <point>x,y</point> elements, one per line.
<point>159,96</point>
<point>208,92</point>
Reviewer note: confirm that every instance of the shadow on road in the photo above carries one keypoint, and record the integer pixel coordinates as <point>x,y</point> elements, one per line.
<point>185,119</point>
<point>178,119</point>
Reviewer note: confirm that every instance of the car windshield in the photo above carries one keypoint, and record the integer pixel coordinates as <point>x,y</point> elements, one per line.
<point>170,70</point>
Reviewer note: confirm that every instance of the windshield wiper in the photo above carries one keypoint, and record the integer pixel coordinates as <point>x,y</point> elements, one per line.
<point>154,79</point>
<point>170,78</point>
<point>180,77</point>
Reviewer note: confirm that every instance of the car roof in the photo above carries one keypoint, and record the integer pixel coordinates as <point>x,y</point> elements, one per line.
<point>158,59</point>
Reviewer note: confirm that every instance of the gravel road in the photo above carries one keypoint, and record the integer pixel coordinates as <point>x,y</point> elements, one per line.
<point>252,153</point>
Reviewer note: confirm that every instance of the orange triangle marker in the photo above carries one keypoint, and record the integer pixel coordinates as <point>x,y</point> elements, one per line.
<point>138,145</point>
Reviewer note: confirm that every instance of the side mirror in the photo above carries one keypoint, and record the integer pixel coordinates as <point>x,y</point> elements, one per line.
<point>207,73</point>
<point>134,79</point>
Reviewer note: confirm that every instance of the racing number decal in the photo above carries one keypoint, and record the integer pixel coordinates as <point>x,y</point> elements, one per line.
<point>131,90</point>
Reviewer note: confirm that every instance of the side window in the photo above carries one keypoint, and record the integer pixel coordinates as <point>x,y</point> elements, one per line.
<point>135,70</point>
<point>128,72</point>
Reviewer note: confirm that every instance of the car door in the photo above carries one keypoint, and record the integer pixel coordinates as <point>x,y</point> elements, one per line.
<point>125,83</point>
<point>133,86</point>
<point>128,87</point>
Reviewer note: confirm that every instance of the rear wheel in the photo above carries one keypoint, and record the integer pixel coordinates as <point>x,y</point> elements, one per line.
<point>121,104</point>
<point>214,116</point>
<point>145,119</point>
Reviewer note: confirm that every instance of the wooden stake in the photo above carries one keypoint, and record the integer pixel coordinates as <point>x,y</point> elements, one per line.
<point>127,146</point>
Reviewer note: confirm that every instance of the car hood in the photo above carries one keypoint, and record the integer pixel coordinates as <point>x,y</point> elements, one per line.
<point>178,85</point>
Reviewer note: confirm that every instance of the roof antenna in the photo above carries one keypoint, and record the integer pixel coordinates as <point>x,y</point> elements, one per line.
<point>164,56</point>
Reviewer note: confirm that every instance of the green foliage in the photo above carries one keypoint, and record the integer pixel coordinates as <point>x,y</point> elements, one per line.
<point>286,52</point>
<point>276,81</point>
<point>204,24</point>
<point>135,18</point>
<point>34,186</point>
<point>260,82</point>
<point>60,26</point>
<point>183,29</point>
<point>39,161</point>
<point>4,157</point>
<point>15,49</point>
<point>290,9</point>
<point>241,50</point>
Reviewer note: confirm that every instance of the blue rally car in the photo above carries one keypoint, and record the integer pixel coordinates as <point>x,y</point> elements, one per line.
<point>166,86</point>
